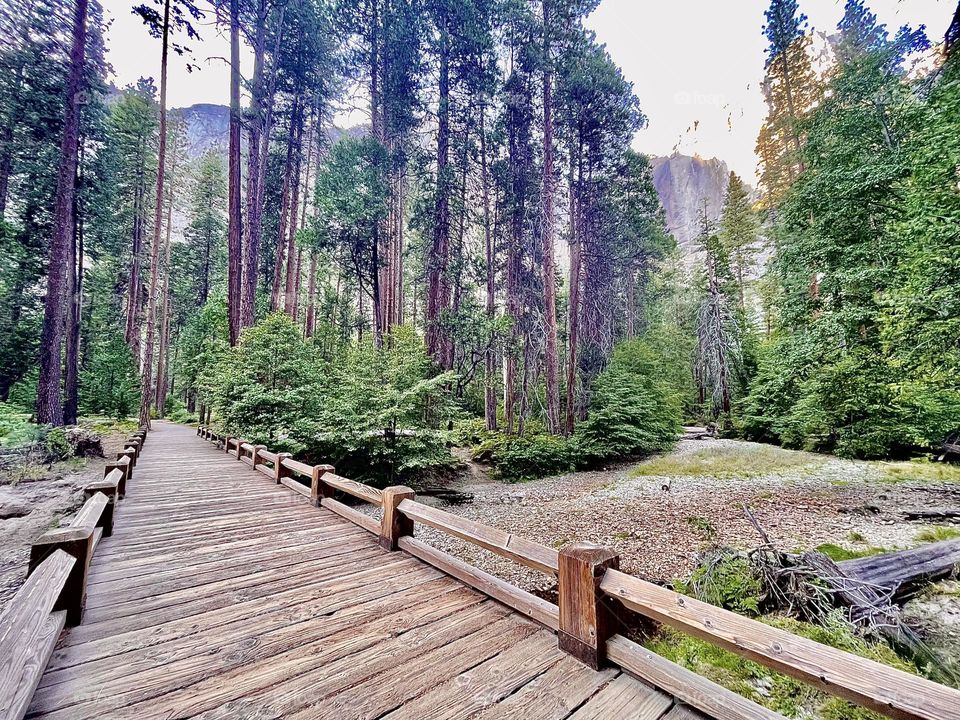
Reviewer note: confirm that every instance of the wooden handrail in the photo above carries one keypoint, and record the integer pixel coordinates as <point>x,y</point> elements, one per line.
<point>521,550</point>
<point>31,627</point>
<point>868,683</point>
<point>351,487</point>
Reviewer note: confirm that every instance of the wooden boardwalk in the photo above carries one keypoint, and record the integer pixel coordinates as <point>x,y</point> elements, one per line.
<point>221,594</point>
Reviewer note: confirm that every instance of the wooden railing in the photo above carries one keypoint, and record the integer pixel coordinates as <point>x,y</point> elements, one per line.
<point>594,597</point>
<point>54,593</point>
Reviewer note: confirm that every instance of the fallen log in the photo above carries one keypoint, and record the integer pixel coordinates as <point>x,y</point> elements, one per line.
<point>901,573</point>
<point>933,514</point>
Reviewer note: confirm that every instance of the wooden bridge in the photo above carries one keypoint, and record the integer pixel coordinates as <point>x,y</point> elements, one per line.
<point>195,585</point>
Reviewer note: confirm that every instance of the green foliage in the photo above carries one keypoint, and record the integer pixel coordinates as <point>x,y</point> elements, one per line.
<point>781,693</point>
<point>531,456</point>
<point>16,430</point>
<point>55,444</point>
<point>937,534</point>
<point>725,579</point>
<point>376,414</point>
<point>838,553</point>
<point>634,411</point>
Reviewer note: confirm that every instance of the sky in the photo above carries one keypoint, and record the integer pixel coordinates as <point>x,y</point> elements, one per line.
<point>696,65</point>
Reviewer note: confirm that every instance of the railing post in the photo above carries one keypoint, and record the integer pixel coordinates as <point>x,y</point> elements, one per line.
<point>586,622</point>
<point>253,454</point>
<point>106,517</point>
<point>318,490</point>
<point>279,471</point>
<point>74,541</point>
<point>395,524</point>
<point>130,453</point>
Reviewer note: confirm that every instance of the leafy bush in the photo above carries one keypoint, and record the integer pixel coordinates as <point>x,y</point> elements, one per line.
<point>16,429</point>
<point>527,457</point>
<point>378,415</point>
<point>633,410</point>
<point>56,445</point>
<point>728,580</point>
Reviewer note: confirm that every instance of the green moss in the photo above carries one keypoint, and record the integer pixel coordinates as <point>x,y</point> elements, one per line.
<point>937,534</point>
<point>838,553</point>
<point>920,470</point>
<point>773,690</point>
<point>740,461</point>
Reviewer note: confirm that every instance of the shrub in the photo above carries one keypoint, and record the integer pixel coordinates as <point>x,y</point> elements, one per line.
<point>527,457</point>
<point>56,445</point>
<point>633,410</point>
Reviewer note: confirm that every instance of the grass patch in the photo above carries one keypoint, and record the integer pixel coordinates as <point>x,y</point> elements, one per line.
<point>920,470</point>
<point>773,690</point>
<point>702,527</point>
<point>16,430</point>
<point>838,553</point>
<point>854,536</point>
<point>107,426</point>
<point>740,461</point>
<point>937,534</point>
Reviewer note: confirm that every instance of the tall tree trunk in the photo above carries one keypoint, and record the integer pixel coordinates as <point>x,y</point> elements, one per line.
<point>132,332</point>
<point>234,234</point>
<point>573,310</point>
<point>311,321</point>
<point>551,359</point>
<point>490,355</point>
<point>6,162</point>
<point>160,397</point>
<point>49,408</point>
<point>146,389</point>
<point>285,191</point>
<point>291,286</point>
<point>438,287</point>
<point>75,295</point>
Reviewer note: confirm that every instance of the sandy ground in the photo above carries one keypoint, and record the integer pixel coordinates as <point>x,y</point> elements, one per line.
<point>46,503</point>
<point>658,532</point>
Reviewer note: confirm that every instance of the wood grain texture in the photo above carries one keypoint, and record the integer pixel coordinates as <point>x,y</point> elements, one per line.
<point>501,542</point>
<point>879,687</point>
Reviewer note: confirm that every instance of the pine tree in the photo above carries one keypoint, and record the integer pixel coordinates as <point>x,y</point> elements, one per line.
<point>739,233</point>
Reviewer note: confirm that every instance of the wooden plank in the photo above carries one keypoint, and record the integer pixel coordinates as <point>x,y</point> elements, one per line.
<point>297,487</point>
<point>503,543</point>
<point>351,487</point>
<point>355,516</point>
<point>297,467</point>
<point>527,604</point>
<point>682,712</point>
<point>89,514</point>
<point>26,629</point>
<point>553,695</point>
<point>625,697</point>
<point>488,683</point>
<point>302,641</point>
<point>272,687</point>
<point>879,687</point>
<point>390,688</point>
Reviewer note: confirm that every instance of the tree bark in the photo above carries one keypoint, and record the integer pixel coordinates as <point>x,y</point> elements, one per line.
<point>75,294</point>
<point>573,310</point>
<point>437,286</point>
<point>49,408</point>
<point>146,389</point>
<point>551,359</point>
<point>291,285</point>
<point>279,260</point>
<point>234,234</point>
<point>311,320</point>
<point>160,397</point>
<point>490,357</point>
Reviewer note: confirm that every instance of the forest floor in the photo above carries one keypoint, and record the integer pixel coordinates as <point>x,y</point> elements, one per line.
<point>35,497</point>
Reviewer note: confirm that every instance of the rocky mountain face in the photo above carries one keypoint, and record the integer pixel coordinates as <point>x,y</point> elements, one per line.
<point>208,127</point>
<point>684,183</point>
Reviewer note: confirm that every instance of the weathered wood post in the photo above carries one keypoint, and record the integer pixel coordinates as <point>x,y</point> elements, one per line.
<point>130,453</point>
<point>76,542</point>
<point>254,453</point>
<point>108,488</point>
<point>586,619</point>
<point>279,471</point>
<point>395,524</point>
<point>133,444</point>
<point>319,490</point>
